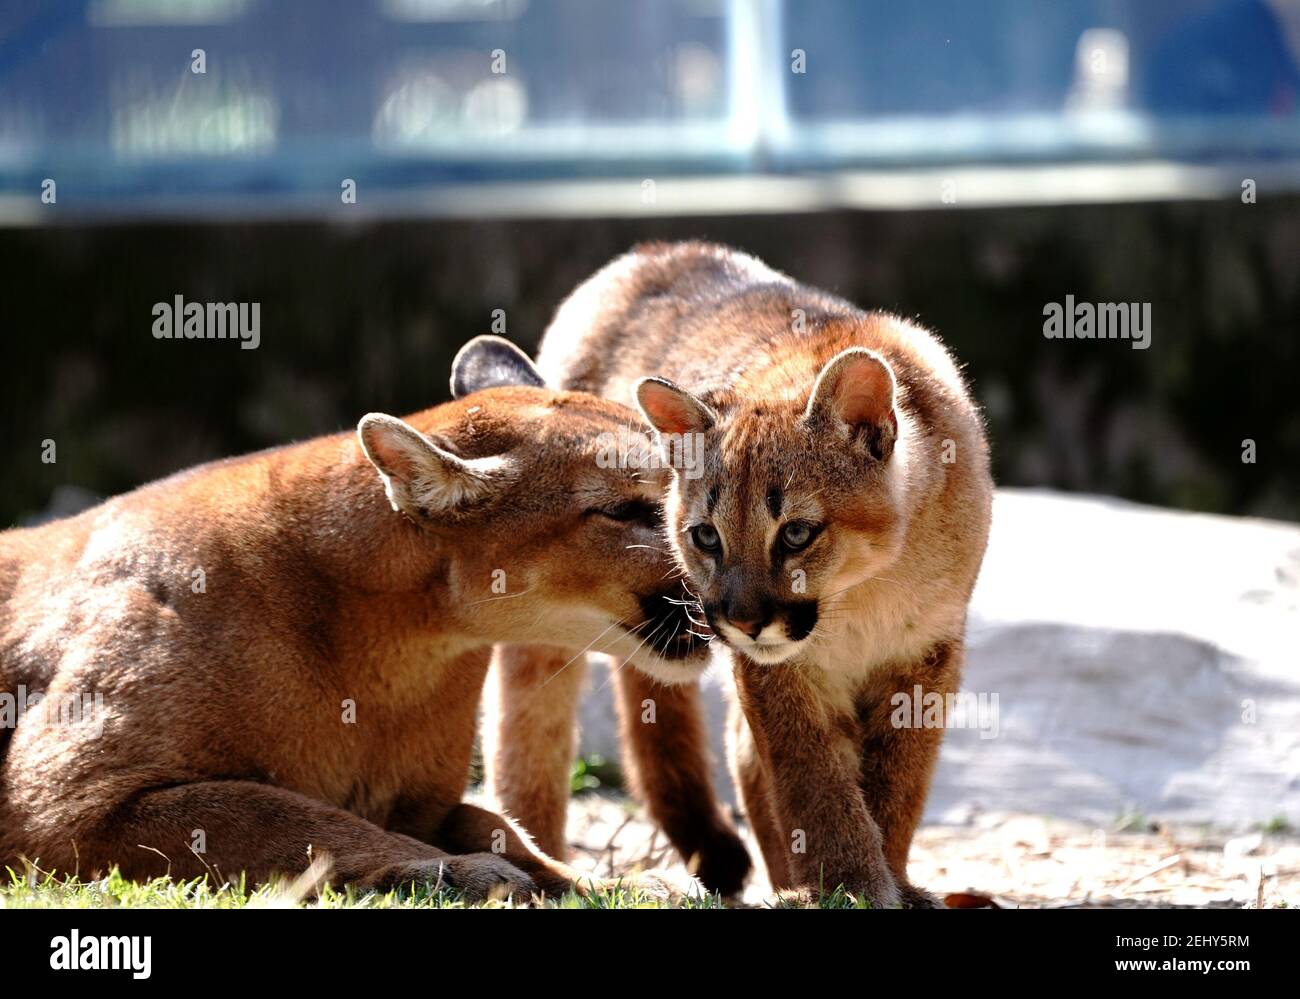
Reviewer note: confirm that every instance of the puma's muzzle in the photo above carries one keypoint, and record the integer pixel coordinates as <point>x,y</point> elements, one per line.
<point>672,625</point>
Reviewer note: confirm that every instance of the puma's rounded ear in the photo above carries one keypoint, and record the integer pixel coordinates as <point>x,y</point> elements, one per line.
<point>672,410</point>
<point>491,362</point>
<point>856,389</point>
<point>419,476</point>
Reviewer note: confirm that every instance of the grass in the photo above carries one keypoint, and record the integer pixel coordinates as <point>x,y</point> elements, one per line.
<point>1277,825</point>
<point>45,891</point>
<point>594,773</point>
<point>37,891</point>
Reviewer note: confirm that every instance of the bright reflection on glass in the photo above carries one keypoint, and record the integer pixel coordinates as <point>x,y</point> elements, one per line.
<point>446,101</point>
<point>454,10</point>
<point>140,13</point>
<point>1100,70</point>
<point>197,115</point>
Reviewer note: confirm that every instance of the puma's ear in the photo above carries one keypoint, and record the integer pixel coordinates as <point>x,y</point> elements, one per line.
<point>672,410</point>
<point>419,476</point>
<point>856,390</point>
<point>490,362</point>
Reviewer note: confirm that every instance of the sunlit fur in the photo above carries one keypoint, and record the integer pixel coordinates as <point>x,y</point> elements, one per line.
<point>336,577</point>
<point>902,504</point>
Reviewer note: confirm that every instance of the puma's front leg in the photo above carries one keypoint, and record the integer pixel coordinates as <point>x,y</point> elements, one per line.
<point>529,730</point>
<point>264,831</point>
<point>666,757</point>
<point>812,757</point>
<point>470,829</point>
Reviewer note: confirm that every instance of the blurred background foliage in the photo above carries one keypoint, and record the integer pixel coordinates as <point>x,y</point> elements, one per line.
<point>505,149</point>
<point>359,318</point>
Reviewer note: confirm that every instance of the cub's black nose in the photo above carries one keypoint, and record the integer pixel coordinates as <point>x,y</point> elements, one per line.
<point>748,613</point>
<point>750,626</point>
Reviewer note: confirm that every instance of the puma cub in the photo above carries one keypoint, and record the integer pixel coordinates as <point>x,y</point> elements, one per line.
<point>283,653</point>
<point>833,539</point>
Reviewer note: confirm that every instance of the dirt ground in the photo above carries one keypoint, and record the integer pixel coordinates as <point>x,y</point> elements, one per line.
<point>1018,861</point>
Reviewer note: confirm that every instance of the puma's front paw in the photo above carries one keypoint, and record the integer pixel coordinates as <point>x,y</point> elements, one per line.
<point>664,886</point>
<point>919,898</point>
<point>478,877</point>
<point>655,886</point>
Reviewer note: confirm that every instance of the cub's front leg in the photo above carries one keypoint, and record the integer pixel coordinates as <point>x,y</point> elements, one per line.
<point>898,761</point>
<point>812,756</point>
<point>666,756</point>
<point>530,717</point>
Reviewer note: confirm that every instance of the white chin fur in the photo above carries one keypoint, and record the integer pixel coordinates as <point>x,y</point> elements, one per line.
<point>767,655</point>
<point>772,654</point>
<point>670,671</point>
<point>767,652</point>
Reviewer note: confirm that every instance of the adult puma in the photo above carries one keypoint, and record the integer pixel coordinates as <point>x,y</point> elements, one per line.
<point>286,650</point>
<point>833,541</point>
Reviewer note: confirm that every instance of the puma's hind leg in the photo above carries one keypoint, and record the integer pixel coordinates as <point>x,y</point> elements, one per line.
<point>254,829</point>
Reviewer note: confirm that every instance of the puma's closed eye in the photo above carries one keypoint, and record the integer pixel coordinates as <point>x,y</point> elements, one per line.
<point>797,535</point>
<point>633,510</point>
<point>706,537</point>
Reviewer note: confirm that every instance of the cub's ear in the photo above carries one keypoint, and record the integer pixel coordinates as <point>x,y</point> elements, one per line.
<point>672,410</point>
<point>419,476</point>
<point>490,362</point>
<point>855,391</point>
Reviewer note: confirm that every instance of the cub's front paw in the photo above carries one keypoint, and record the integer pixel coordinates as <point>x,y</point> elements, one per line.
<point>478,877</point>
<point>869,890</point>
<point>722,863</point>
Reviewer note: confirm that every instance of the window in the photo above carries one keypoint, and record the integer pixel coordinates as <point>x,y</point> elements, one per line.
<point>196,106</point>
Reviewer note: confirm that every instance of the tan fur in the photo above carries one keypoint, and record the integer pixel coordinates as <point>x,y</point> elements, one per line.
<point>667,763</point>
<point>858,425</point>
<point>327,581</point>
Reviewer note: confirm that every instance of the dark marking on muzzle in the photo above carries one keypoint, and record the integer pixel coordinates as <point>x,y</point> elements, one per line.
<point>673,624</point>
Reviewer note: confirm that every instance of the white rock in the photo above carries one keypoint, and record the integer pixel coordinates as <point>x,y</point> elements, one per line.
<point>1144,660</point>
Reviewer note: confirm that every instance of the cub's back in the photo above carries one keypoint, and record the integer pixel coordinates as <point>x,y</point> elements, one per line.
<point>722,325</point>
<point>683,310</point>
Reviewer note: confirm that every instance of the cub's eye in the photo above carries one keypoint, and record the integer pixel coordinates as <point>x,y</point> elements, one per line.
<point>797,535</point>
<point>706,537</point>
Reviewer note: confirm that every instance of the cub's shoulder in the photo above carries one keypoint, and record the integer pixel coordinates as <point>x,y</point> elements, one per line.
<point>699,258</point>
